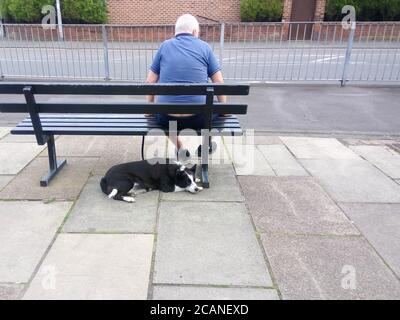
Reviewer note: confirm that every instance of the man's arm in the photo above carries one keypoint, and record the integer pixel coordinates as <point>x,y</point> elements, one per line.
<point>152,77</point>
<point>218,78</point>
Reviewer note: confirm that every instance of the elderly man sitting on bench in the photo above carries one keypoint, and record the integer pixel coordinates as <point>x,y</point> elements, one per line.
<point>184,59</point>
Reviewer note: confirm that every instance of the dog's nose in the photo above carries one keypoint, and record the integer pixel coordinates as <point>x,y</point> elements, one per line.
<point>196,189</point>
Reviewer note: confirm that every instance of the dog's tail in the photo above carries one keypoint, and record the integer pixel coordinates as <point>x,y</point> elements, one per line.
<point>103,185</point>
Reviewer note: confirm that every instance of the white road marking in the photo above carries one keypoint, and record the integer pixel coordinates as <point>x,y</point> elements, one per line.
<point>335,57</point>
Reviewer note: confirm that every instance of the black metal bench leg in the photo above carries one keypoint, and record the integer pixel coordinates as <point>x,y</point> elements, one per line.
<point>204,161</point>
<point>204,176</point>
<point>55,166</point>
<point>143,147</point>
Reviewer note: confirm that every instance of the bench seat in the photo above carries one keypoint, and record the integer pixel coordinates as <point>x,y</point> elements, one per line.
<point>112,124</point>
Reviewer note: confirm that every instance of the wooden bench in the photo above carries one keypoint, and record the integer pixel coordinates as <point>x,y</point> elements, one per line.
<point>113,118</point>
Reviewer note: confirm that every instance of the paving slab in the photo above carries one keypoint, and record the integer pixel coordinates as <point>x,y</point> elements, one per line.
<point>212,243</point>
<point>93,146</point>
<point>382,157</point>
<point>95,212</point>
<point>380,224</point>
<point>293,206</point>
<point>318,148</point>
<point>249,161</point>
<point>10,291</point>
<point>26,230</point>
<point>223,187</point>
<point>19,138</point>
<point>353,181</point>
<point>4,180</point>
<point>15,156</point>
<point>212,293</point>
<point>65,186</point>
<point>4,131</point>
<point>94,266</point>
<point>248,138</point>
<point>282,161</point>
<point>329,268</point>
<point>252,139</point>
<point>267,140</point>
<point>131,151</point>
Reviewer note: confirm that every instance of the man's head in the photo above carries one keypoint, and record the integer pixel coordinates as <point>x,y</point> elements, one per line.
<point>187,24</point>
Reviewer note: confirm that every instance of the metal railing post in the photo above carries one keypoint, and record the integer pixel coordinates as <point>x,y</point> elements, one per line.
<point>105,52</point>
<point>1,38</point>
<point>2,33</point>
<point>348,53</point>
<point>59,21</point>
<point>221,44</point>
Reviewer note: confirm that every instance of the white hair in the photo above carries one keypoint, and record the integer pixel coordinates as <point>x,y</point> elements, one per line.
<point>186,24</point>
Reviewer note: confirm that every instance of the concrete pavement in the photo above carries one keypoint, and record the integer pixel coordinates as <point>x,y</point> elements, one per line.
<point>290,217</point>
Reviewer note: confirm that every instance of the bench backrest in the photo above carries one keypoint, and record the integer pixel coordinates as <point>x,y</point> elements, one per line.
<point>29,90</point>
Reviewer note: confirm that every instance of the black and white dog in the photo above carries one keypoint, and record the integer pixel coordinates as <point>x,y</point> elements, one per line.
<point>153,174</point>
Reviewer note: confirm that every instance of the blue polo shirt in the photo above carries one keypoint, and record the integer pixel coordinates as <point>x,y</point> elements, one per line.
<point>184,59</point>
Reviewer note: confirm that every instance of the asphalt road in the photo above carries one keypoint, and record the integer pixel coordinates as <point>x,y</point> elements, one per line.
<point>281,109</point>
<point>324,109</point>
<point>246,62</point>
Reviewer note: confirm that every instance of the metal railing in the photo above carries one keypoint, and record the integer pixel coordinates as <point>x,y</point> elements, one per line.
<point>278,52</point>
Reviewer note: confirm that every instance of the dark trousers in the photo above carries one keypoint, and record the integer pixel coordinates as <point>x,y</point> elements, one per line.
<point>195,122</point>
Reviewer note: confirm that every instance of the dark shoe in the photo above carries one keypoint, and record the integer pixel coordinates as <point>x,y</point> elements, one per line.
<point>211,148</point>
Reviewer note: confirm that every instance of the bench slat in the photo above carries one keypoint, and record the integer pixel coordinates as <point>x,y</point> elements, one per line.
<point>125,108</point>
<point>118,125</point>
<point>109,122</point>
<point>111,131</point>
<point>103,116</point>
<point>88,88</point>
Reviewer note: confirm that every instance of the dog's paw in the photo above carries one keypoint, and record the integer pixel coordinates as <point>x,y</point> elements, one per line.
<point>128,199</point>
<point>113,193</point>
<point>197,180</point>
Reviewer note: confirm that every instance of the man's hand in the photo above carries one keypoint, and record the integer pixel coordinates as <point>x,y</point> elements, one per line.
<point>151,78</point>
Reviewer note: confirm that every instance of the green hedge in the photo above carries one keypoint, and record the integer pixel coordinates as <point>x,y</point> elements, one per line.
<point>84,11</point>
<point>367,10</point>
<point>73,11</point>
<point>23,10</point>
<point>3,9</point>
<point>261,10</point>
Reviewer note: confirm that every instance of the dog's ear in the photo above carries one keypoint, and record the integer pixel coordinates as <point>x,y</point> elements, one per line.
<point>179,170</point>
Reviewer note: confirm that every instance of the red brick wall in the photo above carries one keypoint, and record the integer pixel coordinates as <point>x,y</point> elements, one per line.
<point>320,10</point>
<point>167,11</point>
<point>287,10</point>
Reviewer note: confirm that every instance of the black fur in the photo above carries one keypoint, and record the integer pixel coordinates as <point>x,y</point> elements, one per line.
<point>158,176</point>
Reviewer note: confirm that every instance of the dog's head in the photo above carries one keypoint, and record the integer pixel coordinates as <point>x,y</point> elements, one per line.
<point>185,179</point>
